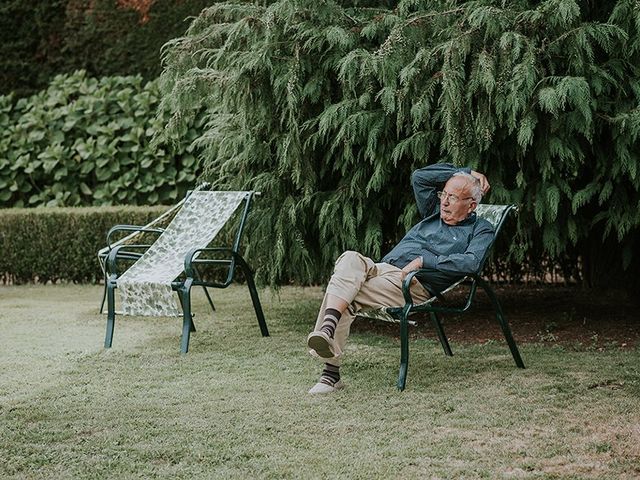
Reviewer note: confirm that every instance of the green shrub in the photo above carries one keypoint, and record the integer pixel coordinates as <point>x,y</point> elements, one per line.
<point>51,244</point>
<point>86,141</point>
<point>327,109</point>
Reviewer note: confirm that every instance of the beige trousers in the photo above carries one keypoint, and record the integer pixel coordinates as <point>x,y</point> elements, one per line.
<point>364,285</point>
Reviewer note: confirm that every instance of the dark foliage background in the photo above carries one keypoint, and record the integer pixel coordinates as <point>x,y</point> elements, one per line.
<point>42,38</point>
<point>327,107</point>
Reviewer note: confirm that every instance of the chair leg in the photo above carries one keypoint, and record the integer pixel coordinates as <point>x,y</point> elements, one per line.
<point>187,319</point>
<point>254,296</point>
<point>206,292</point>
<point>111,313</point>
<point>441,335</point>
<point>193,324</point>
<point>104,293</point>
<point>506,330</point>
<point>404,349</point>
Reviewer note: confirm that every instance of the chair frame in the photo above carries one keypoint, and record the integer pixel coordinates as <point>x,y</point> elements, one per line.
<point>135,230</point>
<point>473,281</point>
<point>191,276</point>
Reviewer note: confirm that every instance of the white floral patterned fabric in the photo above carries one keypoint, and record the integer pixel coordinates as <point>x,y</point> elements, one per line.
<point>491,213</point>
<point>145,288</point>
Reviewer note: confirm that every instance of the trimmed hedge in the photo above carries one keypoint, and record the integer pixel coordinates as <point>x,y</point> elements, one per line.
<point>52,244</point>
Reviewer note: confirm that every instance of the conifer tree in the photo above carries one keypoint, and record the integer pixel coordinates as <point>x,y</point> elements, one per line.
<point>327,107</point>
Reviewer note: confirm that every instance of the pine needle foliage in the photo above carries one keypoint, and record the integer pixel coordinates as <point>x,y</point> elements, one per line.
<point>327,106</point>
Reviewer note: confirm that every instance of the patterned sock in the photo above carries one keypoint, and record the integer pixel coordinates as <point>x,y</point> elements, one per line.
<point>330,375</point>
<point>331,317</point>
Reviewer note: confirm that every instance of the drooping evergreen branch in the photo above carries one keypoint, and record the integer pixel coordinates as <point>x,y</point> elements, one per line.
<point>327,107</point>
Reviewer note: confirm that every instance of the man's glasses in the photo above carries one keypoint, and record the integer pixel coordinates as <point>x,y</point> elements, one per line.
<point>451,197</point>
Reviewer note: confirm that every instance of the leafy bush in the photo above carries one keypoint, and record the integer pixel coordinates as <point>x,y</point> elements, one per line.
<point>327,109</point>
<point>86,141</point>
<point>51,244</point>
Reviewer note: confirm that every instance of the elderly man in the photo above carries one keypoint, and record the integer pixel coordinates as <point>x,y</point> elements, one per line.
<point>449,242</point>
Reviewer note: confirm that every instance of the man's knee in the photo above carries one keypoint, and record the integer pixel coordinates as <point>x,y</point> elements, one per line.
<point>349,254</point>
<point>350,257</point>
<point>352,263</point>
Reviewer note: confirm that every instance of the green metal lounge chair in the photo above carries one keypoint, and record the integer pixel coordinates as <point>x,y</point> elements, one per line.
<point>496,215</point>
<point>170,263</point>
<point>136,233</point>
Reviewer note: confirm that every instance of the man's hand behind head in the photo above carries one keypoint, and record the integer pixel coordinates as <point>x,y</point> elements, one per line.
<point>484,183</point>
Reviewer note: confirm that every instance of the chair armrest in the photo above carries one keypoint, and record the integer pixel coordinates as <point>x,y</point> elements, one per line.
<point>105,254</point>
<point>406,286</point>
<point>406,292</point>
<point>189,259</point>
<point>117,253</point>
<point>130,228</point>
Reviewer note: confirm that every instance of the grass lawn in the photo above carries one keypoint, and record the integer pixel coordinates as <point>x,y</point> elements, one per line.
<point>236,405</point>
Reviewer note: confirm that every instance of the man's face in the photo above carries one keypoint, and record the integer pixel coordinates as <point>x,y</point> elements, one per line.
<point>456,204</point>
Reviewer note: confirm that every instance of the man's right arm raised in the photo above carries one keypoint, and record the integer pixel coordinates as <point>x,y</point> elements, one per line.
<point>427,181</point>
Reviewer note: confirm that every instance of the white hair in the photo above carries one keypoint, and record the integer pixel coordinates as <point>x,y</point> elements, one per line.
<point>474,185</point>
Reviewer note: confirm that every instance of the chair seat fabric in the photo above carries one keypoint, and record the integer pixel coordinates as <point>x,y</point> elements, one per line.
<point>384,313</point>
<point>145,288</point>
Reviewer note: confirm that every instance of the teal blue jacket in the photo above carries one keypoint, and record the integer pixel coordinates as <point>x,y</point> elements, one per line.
<point>448,251</point>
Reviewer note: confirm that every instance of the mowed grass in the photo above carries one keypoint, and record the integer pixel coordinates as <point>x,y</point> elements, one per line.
<point>236,405</point>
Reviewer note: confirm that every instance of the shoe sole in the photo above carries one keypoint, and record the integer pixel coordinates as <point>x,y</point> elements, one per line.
<point>320,345</point>
<point>317,389</point>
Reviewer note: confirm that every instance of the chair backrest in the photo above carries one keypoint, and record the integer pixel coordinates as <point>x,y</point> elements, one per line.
<point>159,221</point>
<point>145,288</point>
<point>495,215</point>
